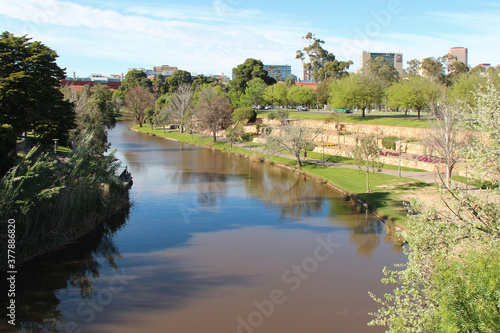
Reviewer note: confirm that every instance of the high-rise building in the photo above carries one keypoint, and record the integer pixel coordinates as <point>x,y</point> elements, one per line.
<point>461,53</point>
<point>394,58</point>
<point>279,72</point>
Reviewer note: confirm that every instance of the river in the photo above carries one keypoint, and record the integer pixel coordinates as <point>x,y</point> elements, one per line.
<point>213,243</point>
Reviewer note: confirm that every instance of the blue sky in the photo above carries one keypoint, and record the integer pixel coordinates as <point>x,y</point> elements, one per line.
<point>213,36</point>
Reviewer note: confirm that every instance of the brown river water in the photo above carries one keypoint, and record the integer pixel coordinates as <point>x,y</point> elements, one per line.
<point>214,243</point>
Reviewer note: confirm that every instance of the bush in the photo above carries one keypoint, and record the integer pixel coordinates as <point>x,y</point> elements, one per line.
<point>389,142</point>
<point>242,114</point>
<point>7,148</point>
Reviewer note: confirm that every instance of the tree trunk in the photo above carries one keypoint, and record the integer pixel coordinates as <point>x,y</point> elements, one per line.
<point>367,181</point>
<point>363,112</point>
<point>297,156</point>
<point>181,128</point>
<point>215,136</point>
<point>418,113</point>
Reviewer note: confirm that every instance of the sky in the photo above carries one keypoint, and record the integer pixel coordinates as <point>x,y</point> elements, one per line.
<point>214,36</point>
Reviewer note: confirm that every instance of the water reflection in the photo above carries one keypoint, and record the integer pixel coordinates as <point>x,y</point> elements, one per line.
<point>38,282</point>
<point>204,240</point>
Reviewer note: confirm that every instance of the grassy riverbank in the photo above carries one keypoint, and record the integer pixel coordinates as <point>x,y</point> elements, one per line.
<point>388,193</point>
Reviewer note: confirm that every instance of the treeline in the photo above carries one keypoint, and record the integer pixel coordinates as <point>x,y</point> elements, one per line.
<point>53,197</point>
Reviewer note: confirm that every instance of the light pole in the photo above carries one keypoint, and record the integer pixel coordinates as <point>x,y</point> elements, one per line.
<point>55,146</point>
<point>399,168</point>
<point>323,157</point>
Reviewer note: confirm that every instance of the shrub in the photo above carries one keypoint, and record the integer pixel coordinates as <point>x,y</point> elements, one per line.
<point>389,142</point>
<point>245,113</point>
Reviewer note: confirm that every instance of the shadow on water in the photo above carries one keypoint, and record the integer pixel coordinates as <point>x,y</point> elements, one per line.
<point>77,265</point>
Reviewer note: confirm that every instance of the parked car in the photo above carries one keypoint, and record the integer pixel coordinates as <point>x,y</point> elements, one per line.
<point>343,110</point>
<point>302,108</point>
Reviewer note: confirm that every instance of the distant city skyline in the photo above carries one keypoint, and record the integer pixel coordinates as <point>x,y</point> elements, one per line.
<point>214,36</point>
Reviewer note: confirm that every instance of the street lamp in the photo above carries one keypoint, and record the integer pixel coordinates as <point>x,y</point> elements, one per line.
<point>399,168</point>
<point>55,146</point>
<point>323,157</point>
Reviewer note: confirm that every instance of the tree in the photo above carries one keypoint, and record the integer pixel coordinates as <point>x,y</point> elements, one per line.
<point>95,113</point>
<point>322,92</point>
<point>356,91</point>
<point>200,81</point>
<point>30,98</point>
<point>383,69</point>
<point>254,92</point>
<point>138,100</point>
<point>135,78</point>
<point>321,64</point>
<point>445,136</point>
<point>179,106</point>
<point>243,115</point>
<point>234,132</point>
<point>366,154</point>
<point>486,157</point>
<point>434,69</point>
<point>290,81</point>
<point>464,87</point>
<point>290,137</point>
<point>300,95</point>
<point>414,67</point>
<point>414,93</point>
<point>276,94</point>
<point>159,85</point>
<point>450,282</point>
<point>177,79</point>
<point>214,111</point>
<point>247,71</point>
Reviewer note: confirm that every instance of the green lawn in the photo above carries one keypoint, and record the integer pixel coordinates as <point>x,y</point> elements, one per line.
<point>369,119</point>
<point>475,182</point>
<point>352,161</point>
<point>386,190</point>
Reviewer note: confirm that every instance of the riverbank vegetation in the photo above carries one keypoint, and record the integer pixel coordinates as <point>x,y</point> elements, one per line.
<point>54,198</point>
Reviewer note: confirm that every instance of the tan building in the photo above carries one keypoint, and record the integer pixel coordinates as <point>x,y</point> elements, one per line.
<point>165,70</point>
<point>461,53</point>
<point>394,58</point>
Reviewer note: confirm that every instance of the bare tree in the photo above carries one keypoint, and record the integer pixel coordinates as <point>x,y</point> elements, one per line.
<point>180,105</point>
<point>138,100</point>
<point>445,136</point>
<point>366,154</point>
<point>290,137</point>
<point>214,111</point>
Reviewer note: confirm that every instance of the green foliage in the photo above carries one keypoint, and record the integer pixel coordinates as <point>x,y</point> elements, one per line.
<point>7,148</point>
<point>242,114</point>
<point>95,113</point>
<point>468,292</point>
<point>450,283</point>
<point>135,78</point>
<point>247,71</point>
<point>29,184</point>
<point>382,69</point>
<point>389,142</point>
<point>415,93</point>
<point>322,64</point>
<point>301,95</point>
<point>279,114</point>
<point>276,94</point>
<point>177,79</point>
<point>359,91</point>
<point>254,92</point>
<point>30,98</point>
